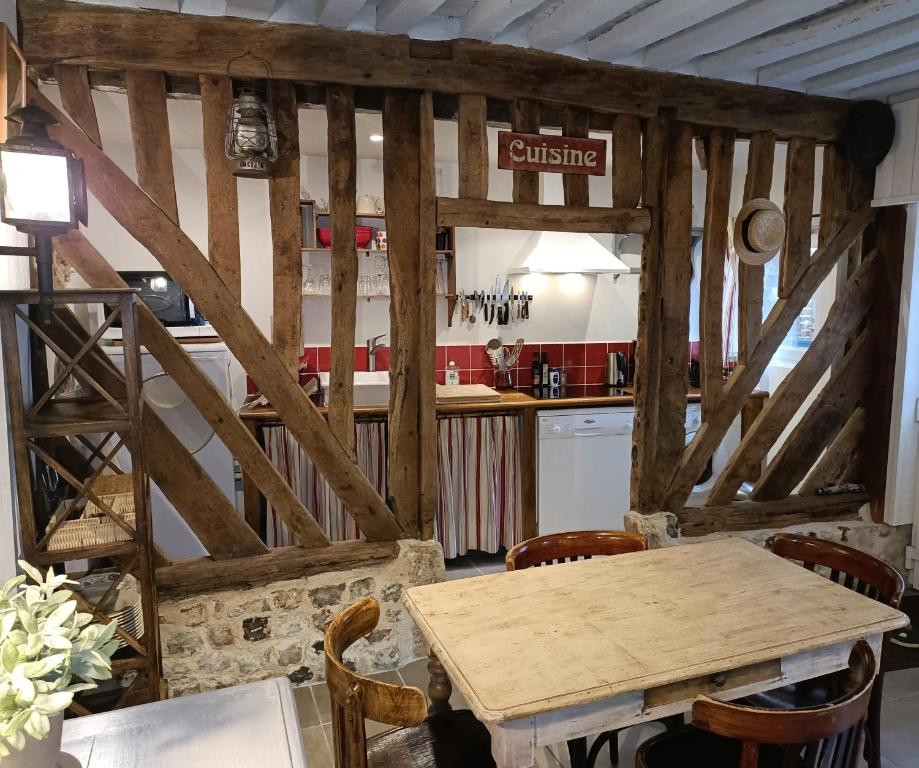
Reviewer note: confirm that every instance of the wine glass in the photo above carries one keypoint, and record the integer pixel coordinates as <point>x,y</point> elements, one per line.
<point>309,286</point>
<point>325,285</point>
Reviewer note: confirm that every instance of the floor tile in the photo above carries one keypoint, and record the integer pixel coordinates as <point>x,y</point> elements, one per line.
<point>464,572</point>
<point>898,731</point>
<point>904,682</point>
<point>323,704</point>
<point>306,707</point>
<point>390,676</point>
<point>318,753</point>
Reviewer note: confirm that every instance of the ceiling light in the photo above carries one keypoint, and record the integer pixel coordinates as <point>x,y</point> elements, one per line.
<point>376,137</point>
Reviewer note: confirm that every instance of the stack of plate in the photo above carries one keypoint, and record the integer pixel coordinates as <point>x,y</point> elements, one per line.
<point>123,606</point>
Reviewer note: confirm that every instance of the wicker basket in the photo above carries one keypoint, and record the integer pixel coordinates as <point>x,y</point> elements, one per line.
<point>95,527</point>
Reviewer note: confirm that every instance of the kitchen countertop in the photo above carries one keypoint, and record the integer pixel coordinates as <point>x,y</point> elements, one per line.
<point>573,396</point>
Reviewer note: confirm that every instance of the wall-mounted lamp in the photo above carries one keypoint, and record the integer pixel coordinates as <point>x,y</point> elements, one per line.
<point>42,192</point>
<point>251,140</point>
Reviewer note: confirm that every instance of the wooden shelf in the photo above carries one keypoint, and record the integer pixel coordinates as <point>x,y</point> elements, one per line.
<point>62,418</point>
<point>115,549</point>
<point>369,296</point>
<point>366,250</point>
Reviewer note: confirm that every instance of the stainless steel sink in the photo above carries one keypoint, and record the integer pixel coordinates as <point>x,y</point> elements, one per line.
<point>370,387</point>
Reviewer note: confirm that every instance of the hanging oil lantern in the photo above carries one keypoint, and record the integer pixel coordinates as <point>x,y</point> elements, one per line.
<point>251,140</point>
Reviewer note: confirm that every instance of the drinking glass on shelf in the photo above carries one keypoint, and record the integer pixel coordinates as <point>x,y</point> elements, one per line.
<point>309,286</point>
<point>363,285</point>
<point>325,285</point>
<point>378,280</point>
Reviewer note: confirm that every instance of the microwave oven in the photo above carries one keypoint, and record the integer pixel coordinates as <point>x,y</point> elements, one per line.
<point>168,302</point>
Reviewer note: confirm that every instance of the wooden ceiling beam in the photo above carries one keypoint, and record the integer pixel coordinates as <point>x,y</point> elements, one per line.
<point>487,20</point>
<point>823,30</point>
<point>337,13</point>
<point>571,20</point>
<point>899,62</point>
<point>118,38</point>
<point>399,16</point>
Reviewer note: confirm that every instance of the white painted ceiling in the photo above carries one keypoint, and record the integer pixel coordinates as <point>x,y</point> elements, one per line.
<point>856,49</point>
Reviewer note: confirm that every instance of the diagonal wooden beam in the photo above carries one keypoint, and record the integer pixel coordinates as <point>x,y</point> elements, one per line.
<point>747,374</point>
<point>150,131</point>
<point>342,191</point>
<point>74,248</point>
<point>839,456</point>
<point>77,98</point>
<point>843,318</point>
<point>150,226</point>
<point>216,523</point>
<point>819,425</point>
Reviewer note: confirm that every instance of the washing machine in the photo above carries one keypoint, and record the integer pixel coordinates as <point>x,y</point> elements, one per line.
<point>717,462</point>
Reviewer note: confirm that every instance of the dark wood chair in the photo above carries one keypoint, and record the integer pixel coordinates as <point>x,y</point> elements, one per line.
<point>557,548</point>
<point>730,735</point>
<point>854,570</point>
<point>453,739</point>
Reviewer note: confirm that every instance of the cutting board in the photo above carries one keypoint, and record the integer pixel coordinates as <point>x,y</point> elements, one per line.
<point>466,393</point>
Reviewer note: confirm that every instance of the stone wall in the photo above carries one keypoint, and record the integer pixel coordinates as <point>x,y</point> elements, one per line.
<point>225,637</point>
<point>883,541</point>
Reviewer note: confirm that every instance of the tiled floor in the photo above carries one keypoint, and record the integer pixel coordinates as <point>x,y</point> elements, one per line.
<point>899,739</point>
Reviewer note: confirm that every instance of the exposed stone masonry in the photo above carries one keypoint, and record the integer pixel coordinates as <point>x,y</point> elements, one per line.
<point>225,637</point>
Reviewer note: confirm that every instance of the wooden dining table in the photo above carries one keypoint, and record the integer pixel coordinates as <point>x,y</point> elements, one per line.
<point>548,654</point>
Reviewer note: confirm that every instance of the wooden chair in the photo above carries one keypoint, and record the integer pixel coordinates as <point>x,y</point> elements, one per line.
<point>854,570</point>
<point>556,548</point>
<point>726,735</point>
<point>452,739</point>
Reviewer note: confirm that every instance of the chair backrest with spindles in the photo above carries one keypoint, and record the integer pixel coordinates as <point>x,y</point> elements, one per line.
<point>576,545</point>
<point>828,736</point>
<point>850,567</point>
<point>355,697</point>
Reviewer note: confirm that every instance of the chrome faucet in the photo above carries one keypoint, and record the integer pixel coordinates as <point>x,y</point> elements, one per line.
<point>372,348</point>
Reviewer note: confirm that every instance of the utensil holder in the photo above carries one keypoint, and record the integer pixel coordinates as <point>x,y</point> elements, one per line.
<point>504,379</point>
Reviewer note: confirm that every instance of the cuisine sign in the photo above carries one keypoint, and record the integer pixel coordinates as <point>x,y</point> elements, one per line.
<point>552,154</point>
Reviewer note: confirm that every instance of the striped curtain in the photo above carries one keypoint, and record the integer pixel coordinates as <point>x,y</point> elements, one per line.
<point>311,487</point>
<point>478,493</point>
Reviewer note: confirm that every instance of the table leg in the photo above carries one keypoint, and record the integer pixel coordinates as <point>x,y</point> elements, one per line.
<point>439,687</point>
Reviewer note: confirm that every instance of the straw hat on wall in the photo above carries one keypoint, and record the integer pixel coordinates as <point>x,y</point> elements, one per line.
<point>759,231</point>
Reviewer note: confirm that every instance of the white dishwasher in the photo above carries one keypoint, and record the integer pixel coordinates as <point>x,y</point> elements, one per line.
<point>584,460</point>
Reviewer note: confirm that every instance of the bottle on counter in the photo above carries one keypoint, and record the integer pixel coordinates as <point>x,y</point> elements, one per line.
<point>452,376</point>
<point>544,372</point>
<point>537,371</point>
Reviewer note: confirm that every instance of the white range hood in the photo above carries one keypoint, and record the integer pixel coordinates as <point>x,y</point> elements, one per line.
<point>564,252</point>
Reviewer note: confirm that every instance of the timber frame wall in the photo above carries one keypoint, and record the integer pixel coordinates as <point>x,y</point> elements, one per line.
<point>653,119</point>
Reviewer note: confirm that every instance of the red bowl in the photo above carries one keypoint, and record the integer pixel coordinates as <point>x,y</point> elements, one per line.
<point>324,234</point>
<point>363,236</point>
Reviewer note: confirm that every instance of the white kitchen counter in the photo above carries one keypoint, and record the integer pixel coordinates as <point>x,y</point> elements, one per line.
<point>238,727</point>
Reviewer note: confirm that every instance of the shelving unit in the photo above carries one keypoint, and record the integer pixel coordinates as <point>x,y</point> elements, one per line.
<point>74,437</point>
<point>312,219</point>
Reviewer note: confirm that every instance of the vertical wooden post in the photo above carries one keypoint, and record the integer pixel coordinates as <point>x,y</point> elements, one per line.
<point>525,119</point>
<point>833,186</point>
<point>408,184</point>
<point>284,204</point>
<point>77,98</point>
<point>222,200</point>
<point>750,277</point>
<point>576,125</point>
<point>714,245</point>
<point>626,161</point>
<point>472,136</point>
<point>342,191</point>
<point>648,352</point>
<point>150,131</point>
<point>677,275</point>
<point>799,208</point>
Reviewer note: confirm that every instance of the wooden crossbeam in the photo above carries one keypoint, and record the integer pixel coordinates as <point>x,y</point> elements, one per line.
<point>342,192</point>
<point>840,457</point>
<point>843,318</point>
<point>720,161</point>
<point>453,212</point>
<point>472,146</point>
<point>525,119</point>
<point>408,186</point>
<point>211,517</point>
<point>819,425</point>
<point>647,351</point>
<point>799,207</point>
<point>756,515</point>
<point>76,250</point>
<point>77,98</point>
<point>286,231</point>
<point>178,254</point>
<point>746,375</point>
<point>626,161</point>
<point>575,185</point>
<point>675,295</point>
<point>150,131</point>
<point>222,199</point>
<point>119,38</point>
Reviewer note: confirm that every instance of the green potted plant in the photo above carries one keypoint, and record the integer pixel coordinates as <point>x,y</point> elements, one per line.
<point>44,644</point>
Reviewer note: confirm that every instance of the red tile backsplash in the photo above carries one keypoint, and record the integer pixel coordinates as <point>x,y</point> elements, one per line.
<point>585,363</point>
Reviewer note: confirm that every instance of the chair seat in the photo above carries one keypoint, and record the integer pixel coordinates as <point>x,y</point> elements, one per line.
<point>807,693</point>
<point>447,740</point>
<point>691,746</point>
